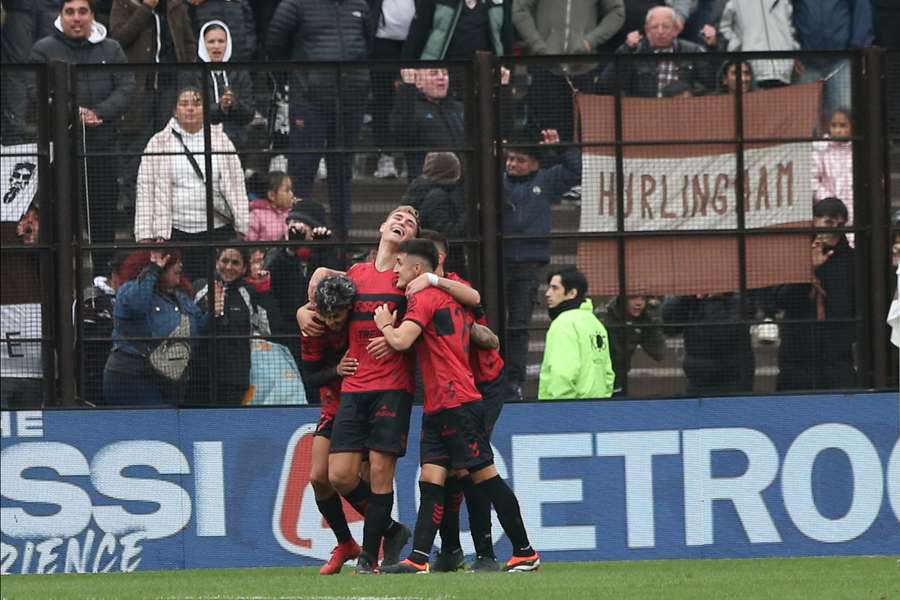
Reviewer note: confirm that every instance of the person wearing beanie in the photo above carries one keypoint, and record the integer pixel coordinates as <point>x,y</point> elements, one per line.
<point>438,196</point>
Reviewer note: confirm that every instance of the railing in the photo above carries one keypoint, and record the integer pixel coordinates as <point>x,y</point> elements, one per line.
<point>749,248</point>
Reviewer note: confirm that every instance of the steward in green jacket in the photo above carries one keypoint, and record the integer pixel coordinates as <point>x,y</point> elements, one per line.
<point>576,353</point>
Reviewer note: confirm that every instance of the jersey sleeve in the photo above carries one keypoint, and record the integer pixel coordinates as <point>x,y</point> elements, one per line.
<point>420,308</point>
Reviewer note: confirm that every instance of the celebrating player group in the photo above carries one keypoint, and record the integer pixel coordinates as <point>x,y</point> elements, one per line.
<point>359,330</point>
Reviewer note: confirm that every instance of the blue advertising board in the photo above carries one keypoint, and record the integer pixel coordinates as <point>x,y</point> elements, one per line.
<point>120,490</point>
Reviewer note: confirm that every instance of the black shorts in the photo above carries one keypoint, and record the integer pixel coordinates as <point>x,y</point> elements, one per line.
<point>372,421</point>
<point>455,438</point>
<point>325,426</point>
<point>496,393</point>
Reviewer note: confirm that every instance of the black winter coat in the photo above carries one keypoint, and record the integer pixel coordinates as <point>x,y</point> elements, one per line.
<point>322,30</point>
<point>107,93</point>
<point>417,121</point>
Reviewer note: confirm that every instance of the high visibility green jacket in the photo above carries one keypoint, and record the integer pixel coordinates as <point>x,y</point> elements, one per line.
<point>576,357</point>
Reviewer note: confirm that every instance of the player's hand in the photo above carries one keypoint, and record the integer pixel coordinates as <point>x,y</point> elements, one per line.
<point>417,285</point>
<point>310,323</point>
<point>347,366</point>
<point>384,316</point>
<point>378,348</point>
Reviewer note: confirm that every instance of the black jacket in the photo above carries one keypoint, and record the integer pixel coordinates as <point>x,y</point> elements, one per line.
<point>639,77</point>
<point>107,93</point>
<point>645,331</point>
<point>322,30</point>
<point>238,15</point>
<point>417,121</point>
<point>718,357</point>
<point>819,354</point>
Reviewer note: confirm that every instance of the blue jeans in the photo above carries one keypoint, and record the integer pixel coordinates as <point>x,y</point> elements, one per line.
<point>520,285</point>
<point>838,85</point>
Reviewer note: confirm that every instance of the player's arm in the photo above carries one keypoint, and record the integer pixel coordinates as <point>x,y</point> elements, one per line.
<point>401,337</point>
<point>462,293</point>
<point>483,337</point>
<point>309,321</point>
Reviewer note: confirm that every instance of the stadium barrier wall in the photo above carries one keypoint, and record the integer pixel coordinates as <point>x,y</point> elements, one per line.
<point>125,490</point>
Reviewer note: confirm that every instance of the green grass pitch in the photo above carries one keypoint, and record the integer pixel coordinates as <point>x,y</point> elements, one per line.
<point>857,578</point>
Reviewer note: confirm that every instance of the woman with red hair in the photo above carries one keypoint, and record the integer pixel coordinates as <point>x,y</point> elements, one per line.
<point>149,308</point>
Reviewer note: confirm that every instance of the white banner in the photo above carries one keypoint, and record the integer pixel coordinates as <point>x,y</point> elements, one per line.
<point>699,192</point>
<point>18,180</point>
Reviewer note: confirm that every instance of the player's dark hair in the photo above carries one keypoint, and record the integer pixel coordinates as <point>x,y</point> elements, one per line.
<point>571,279</point>
<point>436,237</point>
<point>421,248</point>
<point>334,293</point>
<point>830,207</point>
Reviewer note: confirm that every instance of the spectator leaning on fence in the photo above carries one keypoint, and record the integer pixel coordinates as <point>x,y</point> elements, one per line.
<point>648,78</point>
<point>154,302</point>
<point>528,191</point>
<point>171,199</point>
<point>818,353</point>
<point>576,351</point>
<point>103,97</point>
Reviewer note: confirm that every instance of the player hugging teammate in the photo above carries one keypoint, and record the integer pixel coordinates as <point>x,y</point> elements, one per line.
<point>372,418</point>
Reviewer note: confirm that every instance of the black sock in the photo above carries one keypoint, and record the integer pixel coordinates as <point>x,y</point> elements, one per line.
<point>449,529</point>
<point>507,507</point>
<point>378,516</point>
<point>431,513</point>
<point>333,512</point>
<point>479,507</point>
<point>359,497</point>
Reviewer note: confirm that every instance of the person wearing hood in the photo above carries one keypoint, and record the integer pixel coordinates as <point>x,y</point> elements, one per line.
<point>438,196</point>
<point>103,97</point>
<point>230,92</point>
<point>151,32</point>
<point>172,179</point>
<point>576,353</point>
<point>237,15</point>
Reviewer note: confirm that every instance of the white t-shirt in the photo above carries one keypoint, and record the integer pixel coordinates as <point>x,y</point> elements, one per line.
<point>398,14</point>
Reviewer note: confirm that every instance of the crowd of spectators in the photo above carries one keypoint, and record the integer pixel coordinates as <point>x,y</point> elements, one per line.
<point>149,165</point>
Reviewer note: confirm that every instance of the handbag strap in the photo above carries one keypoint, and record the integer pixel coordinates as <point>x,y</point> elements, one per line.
<point>190,155</point>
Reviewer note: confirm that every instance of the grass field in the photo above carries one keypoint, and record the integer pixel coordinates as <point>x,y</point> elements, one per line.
<point>857,578</point>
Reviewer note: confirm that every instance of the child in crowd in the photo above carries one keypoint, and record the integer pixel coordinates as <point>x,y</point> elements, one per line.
<point>257,275</point>
<point>832,170</point>
<point>268,216</point>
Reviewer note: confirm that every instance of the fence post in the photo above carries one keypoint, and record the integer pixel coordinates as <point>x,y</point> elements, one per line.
<point>486,159</point>
<point>874,189</point>
<point>64,200</point>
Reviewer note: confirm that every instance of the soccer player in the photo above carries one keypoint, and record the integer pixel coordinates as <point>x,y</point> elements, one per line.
<point>453,425</point>
<point>490,379</point>
<point>324,362</point>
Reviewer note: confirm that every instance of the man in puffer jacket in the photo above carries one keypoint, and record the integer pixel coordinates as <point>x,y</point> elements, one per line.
<point>323,30</point>
<point>528,191</point>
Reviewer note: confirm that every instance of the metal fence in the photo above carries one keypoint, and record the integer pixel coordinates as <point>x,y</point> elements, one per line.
<point>639,192</point>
